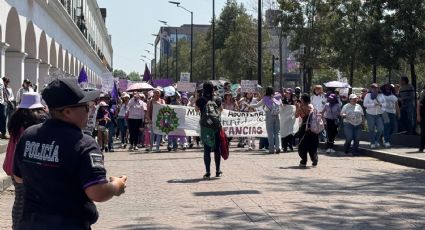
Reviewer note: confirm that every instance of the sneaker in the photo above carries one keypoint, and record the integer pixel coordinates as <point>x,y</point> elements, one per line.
<point>372,146</point>
<point>131,147</point>
<point>249,148</point>
<point>207,176</point>
<point>168,148</point>
<point>271,151</point>
<point>218,174</point>
<point>387,145</point>
<point>303,165</point>
<point>277,151</point>
<point>190,145</point>
<point>328,150</point>
<point>156,151</point>
<point>332,151</point>
<point>148,149</point>
<point>314,164</point>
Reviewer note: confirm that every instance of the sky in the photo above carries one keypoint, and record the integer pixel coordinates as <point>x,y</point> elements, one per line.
<point>131,24</point>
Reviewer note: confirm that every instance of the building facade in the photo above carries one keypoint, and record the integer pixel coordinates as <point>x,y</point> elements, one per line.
<point>46,39</point>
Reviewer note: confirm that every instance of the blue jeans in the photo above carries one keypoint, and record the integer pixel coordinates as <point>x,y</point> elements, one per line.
<point>390,127</point>
<point>352,133</point>
<point>374,122</point>
<point>155,138</point>
<point>408,117</point>
<point>111,129</point>
<point>273,131</point>
<point>122,125</point>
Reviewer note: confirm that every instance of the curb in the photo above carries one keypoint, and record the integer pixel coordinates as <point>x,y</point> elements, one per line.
<point>387,156</point>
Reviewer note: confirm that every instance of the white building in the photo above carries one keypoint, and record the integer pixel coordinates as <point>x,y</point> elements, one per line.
<point>44,39</point>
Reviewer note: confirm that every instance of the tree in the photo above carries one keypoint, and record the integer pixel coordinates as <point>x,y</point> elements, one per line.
<point>134,76</point>
<point>119,73</point>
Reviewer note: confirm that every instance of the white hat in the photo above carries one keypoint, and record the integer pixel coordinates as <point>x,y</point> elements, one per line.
<point>31,100</point>
<point>102,104</point>
<point>125,95</point>
<point>353,96</point>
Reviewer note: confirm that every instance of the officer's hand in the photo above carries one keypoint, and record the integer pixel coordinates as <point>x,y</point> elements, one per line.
<point>119,183</point>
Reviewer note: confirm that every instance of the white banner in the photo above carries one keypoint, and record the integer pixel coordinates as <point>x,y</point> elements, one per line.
<point>183,120</point>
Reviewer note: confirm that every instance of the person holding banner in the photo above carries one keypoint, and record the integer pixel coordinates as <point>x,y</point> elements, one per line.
<point>210,106</point>
<point>272,107</point>
<point>244,103</point>
<point>156,98</point>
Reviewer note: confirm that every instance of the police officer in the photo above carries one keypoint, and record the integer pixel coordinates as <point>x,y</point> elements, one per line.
<point>61,168</point>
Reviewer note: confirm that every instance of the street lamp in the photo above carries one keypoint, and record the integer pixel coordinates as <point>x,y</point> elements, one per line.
<point>213,41</point>
<point>191,34</point>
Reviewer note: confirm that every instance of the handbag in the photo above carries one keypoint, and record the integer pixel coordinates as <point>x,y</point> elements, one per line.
<point>224,144</point>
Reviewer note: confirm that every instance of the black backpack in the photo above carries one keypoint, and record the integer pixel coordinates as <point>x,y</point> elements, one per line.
<point>210,115</point>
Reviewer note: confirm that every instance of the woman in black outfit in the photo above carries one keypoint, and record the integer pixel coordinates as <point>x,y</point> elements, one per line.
<point>309,141</point>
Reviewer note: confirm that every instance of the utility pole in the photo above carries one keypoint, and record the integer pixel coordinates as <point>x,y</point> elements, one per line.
<point>213,41</point>
<point>260,69</point>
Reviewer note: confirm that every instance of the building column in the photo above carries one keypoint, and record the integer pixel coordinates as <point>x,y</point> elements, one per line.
<point>43,74</point>
<point>14,70</point>
<point>3,48</point>
<point>32,70</point>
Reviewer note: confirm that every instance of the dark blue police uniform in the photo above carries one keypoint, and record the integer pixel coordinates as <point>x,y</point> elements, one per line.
<point>56,169</point>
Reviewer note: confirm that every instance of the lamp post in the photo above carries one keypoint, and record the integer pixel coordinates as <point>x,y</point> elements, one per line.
<point>213,41</point>
<point>191,34</point>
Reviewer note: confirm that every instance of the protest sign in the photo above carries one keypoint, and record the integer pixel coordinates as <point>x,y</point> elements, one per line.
<point>186,87</point>
<point>184,77</point>
<point>249,86</point>
<point>183,120</point>
<point>107,82</point>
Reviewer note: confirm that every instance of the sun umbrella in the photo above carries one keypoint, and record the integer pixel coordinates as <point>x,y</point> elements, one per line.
<point>337,84</point>
<point>141,86</point>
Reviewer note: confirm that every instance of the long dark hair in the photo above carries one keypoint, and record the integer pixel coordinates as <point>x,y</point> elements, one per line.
<point>24,118</point>
<point>269,91</point>
<point>208,90</point>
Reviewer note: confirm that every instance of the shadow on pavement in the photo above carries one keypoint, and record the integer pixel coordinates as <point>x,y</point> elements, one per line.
<point>227,193</point>
<point>190,181</point>
<point>296,167</point>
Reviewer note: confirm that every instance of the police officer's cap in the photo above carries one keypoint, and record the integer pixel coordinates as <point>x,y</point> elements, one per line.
<point>66,92</point>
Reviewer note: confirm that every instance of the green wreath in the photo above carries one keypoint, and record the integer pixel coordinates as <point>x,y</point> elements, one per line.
<point>167,120</point>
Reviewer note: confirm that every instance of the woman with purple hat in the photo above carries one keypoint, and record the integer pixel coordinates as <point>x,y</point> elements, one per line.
<point>331,113</point>
<point>29,112</point>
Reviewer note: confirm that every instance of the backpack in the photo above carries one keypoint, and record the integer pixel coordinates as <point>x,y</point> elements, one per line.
<point>316,122</point>
<point>210,116</point>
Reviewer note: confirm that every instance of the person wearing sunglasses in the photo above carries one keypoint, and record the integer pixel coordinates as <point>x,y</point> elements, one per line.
<point>62,169</point>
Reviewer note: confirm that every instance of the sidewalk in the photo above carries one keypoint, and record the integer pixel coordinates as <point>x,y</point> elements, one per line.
<point>397,154</point>
<point>5,180</point>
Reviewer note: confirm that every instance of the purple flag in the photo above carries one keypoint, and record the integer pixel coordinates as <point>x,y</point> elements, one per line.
<point>83,76</point>
<point>147,74</point>
<point>114,93</point>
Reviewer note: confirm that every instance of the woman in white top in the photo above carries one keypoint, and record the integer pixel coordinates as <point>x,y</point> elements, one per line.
<point>122,123</point>
<point>353,116</point>
<point>318,99</point>
<point>373,102</point>
<point>391,113</point>
<point>135,114</point>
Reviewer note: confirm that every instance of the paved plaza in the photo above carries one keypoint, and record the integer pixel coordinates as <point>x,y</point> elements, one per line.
<point>258,191</point>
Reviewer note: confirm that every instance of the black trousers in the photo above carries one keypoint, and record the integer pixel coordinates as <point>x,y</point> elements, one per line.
<point>308,144</point>
<point>332,131</point>
<point>217,156</point>
<point>34,221</point>
<point>133,128</point>
<point>287,142</point>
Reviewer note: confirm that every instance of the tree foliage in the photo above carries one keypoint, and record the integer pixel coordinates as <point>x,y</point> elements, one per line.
<point>134,76</point>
